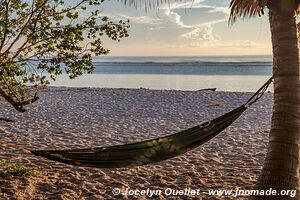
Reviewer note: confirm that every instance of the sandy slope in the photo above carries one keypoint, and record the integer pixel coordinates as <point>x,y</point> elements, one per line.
<point>99,117</point>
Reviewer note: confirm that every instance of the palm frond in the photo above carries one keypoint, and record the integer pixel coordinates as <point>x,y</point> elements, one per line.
<point>246,8</point>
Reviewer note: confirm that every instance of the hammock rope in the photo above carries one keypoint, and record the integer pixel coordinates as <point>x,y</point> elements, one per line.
<point>259,93</point>
<point>153,150</point>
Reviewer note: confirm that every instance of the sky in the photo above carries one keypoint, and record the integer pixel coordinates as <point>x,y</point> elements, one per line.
<point>187,29</point>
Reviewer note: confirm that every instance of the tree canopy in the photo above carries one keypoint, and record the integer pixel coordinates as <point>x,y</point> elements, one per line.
<point>51,36</point>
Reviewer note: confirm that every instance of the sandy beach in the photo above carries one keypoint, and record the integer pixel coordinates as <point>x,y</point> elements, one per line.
<point>84,117</point>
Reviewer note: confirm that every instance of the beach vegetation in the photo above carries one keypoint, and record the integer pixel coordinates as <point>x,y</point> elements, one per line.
<point>51,36</point>
<point>15,169</point>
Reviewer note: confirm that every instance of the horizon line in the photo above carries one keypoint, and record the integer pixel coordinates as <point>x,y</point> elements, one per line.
<point>248,55</point>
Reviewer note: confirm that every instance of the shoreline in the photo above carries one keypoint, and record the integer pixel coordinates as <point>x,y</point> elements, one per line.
<point>88,117</point>
<point>246,83</point>
<point>66,88</point>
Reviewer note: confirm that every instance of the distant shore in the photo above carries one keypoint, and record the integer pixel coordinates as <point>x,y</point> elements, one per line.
<point>86,117</point>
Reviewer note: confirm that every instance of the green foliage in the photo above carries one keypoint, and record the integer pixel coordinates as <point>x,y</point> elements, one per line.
<point>16,169</point>
<point>61,36</point>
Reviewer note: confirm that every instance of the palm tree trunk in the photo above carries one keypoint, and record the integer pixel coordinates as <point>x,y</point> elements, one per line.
<point>281,166</point>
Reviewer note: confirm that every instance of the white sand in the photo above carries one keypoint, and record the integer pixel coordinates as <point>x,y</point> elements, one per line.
<point>65,117</point>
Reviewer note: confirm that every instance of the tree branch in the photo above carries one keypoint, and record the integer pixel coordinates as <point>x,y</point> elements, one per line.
<point>6,25</point>
<point>27,39</point>
<point>25,26</point>
<point>66,9</point>
<point>19,106</point>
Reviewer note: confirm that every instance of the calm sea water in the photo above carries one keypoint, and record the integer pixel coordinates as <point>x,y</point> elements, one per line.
<point>240,73</point>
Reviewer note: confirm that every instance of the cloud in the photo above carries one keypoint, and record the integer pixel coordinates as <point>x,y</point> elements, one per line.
<point>143,19</point>
<point>137,19</point>
<point>238,45</point>
<point>201,33</point>
<point>213,9</point>
<point>176,18</point>
<point>197,4</point>
<point>224,44</point>
<point>154,28</point>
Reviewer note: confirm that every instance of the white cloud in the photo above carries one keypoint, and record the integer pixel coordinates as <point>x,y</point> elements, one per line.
<point>225,44</point>
<point>154,28</point>
<point>176,18</point>
<point>214,9</point>
<point>201,33</point>
<point>197,4</point>
<point>236,44</point>
<point>137,19</point>
<point>143,19</point>
<point>172,19</point>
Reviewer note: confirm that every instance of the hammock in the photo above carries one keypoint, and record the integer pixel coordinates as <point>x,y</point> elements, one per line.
<point>150,151</point>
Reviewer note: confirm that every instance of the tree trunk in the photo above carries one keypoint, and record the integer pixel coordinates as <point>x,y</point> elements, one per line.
<point>281,166</point>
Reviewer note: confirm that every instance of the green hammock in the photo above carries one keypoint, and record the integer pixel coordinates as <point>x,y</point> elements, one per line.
<point>150,151</point>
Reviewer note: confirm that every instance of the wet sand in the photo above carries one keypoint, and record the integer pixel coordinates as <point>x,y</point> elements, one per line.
<point>85,117</point>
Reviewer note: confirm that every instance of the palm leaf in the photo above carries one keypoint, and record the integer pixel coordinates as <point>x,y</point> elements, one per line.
<point>246,8</point>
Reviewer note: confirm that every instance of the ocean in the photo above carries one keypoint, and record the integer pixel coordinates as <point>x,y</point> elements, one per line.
<point>234,73</point>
